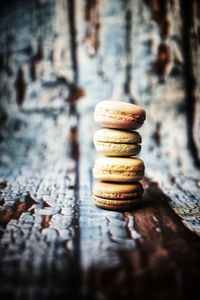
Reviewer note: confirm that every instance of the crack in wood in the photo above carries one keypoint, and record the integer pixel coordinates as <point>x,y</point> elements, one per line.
<point>162,60</point>
<point>187,11</point>
<point>73,44</point>
<point>93,25</point>
<point>20,85</point>
<point>75,92</point>
<point>159,14</point>
<point>3,185</point>
<point>46,221</point>
<point>17,210</point>
<point>128,40</point>
<point>39,56</point>
<point>156,136</point>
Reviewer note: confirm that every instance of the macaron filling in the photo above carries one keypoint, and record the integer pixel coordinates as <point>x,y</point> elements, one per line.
<point>117,195</point>
<point>119,115</point>
<point>118,172</point>
<point>116,201</point>
<point>116,204</point>
<point>117,149</point>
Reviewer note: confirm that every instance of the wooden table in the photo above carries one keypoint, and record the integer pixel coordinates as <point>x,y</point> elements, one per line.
<point>56,243</point>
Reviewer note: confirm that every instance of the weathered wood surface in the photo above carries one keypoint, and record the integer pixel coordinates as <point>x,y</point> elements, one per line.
<point>57,60</point>
<point>143,56</point>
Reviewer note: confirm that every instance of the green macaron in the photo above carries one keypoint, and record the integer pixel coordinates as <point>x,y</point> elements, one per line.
<point>115,142</point>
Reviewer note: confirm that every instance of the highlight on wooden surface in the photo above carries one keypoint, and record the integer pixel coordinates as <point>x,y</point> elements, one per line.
<point>58,59</point>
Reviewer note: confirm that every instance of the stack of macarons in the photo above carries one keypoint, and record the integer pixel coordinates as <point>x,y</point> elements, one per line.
<point>118,171</point>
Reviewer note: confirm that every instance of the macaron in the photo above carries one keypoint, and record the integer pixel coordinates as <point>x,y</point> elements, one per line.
<point>118,169</point>
<point>117,196</point>
<point>118,191</point>
<point>119,115</point>
<point>115,142</point>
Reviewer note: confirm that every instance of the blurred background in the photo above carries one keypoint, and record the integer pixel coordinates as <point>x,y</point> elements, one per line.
<point>58,59</point>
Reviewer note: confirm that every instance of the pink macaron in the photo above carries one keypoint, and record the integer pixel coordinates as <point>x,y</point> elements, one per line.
<point>120,115</point>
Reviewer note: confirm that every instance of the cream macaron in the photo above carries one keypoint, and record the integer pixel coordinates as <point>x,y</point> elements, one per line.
<point>118,169</point>
<point>115,142</point>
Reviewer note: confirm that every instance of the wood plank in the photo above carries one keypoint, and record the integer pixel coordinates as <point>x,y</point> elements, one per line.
<point>146,251</point>
<point>164,264</point>
<point>39,151</point>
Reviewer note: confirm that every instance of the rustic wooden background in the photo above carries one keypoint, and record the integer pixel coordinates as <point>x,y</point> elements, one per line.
<point>57,60</point>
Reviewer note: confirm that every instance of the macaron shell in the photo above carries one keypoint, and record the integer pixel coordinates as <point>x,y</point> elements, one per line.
<point>113,142</point>
<point>119,169</point>
<point>120,163</point>
<point>117,114</point>
<point>119,205</point>
<point>113,149</point>
<point>117,136</point>
<point>118,177</point>
<point>110,190</point>
<point>120,122</point>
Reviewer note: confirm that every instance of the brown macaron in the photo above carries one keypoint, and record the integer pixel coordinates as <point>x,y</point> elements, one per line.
<point>117,196</point>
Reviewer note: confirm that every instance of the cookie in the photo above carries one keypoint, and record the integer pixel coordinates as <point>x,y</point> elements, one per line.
<point>119,169</point>
<point>115,142</point>
<point>119,115</point>
<point>118,191</point>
